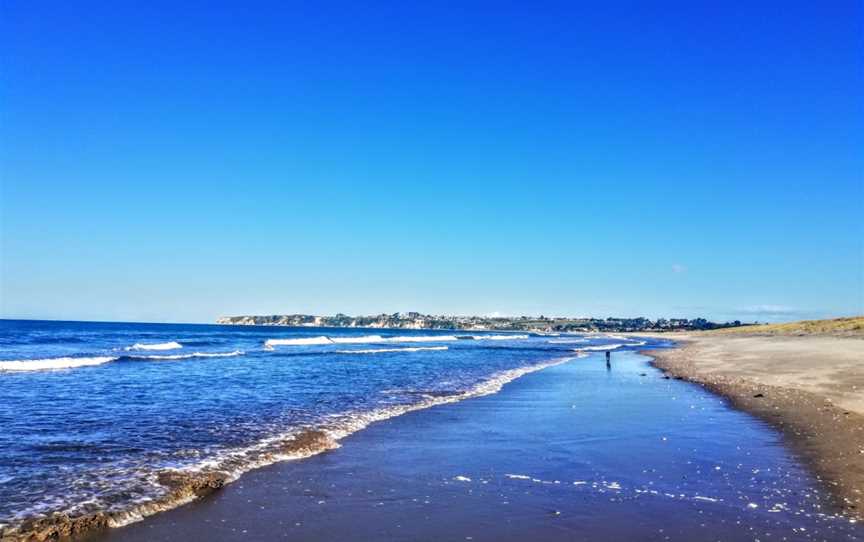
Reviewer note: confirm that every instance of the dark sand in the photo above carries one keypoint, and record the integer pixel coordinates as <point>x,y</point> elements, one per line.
<point>811,388</point>
<point>623,455</point>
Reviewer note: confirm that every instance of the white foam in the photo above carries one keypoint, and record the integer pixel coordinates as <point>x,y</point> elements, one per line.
<point>422,339</point>
<point>599,348</point>
<point>377,339</point>
<point>172,345</point>
<point>304,341</point>
<point>357,340</point>
<point>192,355</point>
<point>357,421</point>
<point>499,337</point>
<point>384,350</point>
<point>269,450</point>
<point>366,339</point>
<point>235,462</point>
<point>218,354</point>
<point>52,363</point>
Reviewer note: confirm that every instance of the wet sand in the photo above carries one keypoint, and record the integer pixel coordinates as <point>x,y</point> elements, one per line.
<point>809,387</point>
<point>572,452</point>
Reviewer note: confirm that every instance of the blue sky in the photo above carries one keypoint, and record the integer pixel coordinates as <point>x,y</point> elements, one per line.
<point>177,161</point>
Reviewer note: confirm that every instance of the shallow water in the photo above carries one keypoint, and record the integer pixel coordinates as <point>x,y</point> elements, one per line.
<point>569,453</point>
<point>80,435</point>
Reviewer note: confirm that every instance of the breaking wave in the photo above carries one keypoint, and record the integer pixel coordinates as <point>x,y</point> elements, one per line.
<point>188,356</point>
<point>52,363</point>
<point>378,339</point>
<point>183,485</point>
<point>307,441</point>
<point>422,339</point>
<point>602,347</point>
<point>367,339</point>
<point>383,350</point>
<point>172,345</point>
<point>357,340</point>
<point>67,362</point>
<point>599,348</point>
<point>305,341</point>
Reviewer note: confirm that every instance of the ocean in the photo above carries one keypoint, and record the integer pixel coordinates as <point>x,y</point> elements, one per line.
<point>93,416</point>
<point>92,413</point>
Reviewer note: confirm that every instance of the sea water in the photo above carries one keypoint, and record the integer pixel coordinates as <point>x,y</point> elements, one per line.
<point>93,414</point>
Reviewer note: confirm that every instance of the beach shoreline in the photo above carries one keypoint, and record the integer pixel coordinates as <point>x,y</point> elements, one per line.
<point>531,462</point>
<point>185,487</point>
<point>808,387</point>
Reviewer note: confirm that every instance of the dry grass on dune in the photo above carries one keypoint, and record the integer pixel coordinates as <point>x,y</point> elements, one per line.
<point>851,326</point>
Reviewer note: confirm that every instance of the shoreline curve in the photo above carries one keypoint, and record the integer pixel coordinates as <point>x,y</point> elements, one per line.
<point>828,438</point>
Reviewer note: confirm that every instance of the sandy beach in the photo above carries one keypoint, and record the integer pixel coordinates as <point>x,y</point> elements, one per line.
<point>809,386</point>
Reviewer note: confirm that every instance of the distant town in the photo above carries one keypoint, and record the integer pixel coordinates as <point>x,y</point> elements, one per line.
<point>536,324</point>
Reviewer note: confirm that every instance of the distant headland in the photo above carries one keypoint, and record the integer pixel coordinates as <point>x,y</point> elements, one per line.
<point>538,324</point>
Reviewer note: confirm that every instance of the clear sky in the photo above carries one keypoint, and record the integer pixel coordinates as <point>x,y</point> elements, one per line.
<point>176,161</point>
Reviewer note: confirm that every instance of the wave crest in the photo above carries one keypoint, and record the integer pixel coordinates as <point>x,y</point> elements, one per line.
<point>602,347</point>
<point>303,341</point>
<point>599,348</point>
<point>171,345</point>
<point>422,338</point>
<point>188,356</point>
<point>384,350</point>
<point>366,339</point>
<point>358,340</point>
<point>52,363</point>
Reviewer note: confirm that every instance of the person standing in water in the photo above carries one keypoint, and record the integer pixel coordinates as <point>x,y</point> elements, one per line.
<point>608,359</point>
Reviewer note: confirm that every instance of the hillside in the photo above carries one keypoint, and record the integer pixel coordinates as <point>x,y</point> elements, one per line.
<point>851,326</point>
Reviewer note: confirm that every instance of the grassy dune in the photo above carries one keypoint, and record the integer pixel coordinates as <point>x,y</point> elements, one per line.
<point>852,326</point>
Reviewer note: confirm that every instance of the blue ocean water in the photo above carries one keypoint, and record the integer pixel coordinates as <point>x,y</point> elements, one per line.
<point>92,413</point>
